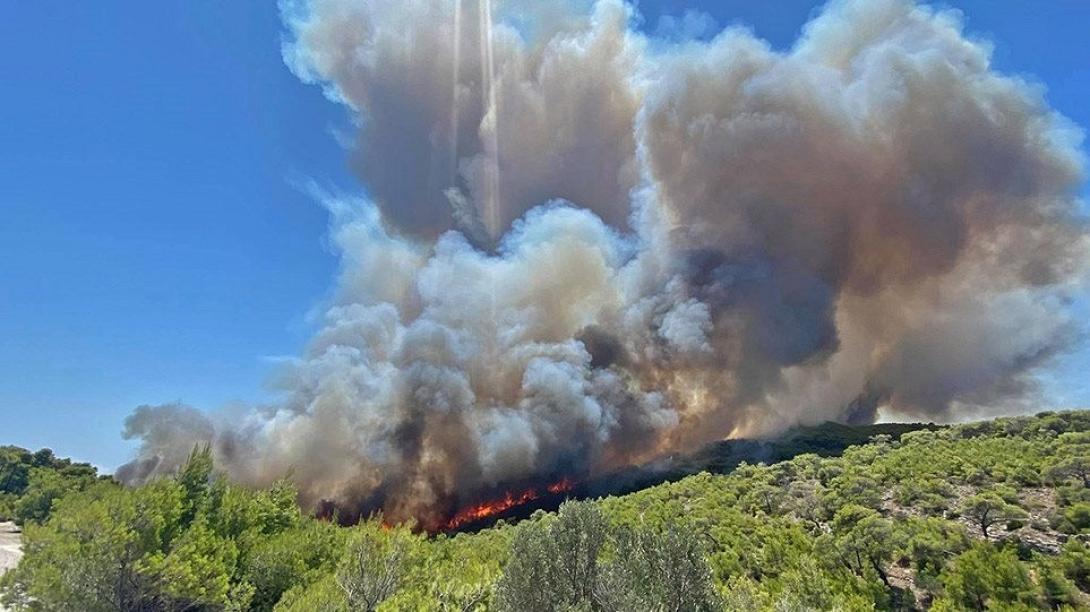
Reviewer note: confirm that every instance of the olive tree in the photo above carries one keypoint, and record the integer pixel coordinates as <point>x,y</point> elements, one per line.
<point>555,566</point>
<point>377,562</point>
<point>660,571</point>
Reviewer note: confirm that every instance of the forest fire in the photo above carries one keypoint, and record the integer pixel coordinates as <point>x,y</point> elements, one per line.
<point>561,486</point>
<point>499,505</point>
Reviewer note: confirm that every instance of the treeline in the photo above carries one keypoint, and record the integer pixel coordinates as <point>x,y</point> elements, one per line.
<point>826,439</point>
<point>31,481</point>
<point>984,516</point>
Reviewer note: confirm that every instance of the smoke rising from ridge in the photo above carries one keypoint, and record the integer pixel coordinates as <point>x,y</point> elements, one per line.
<point>581,250</point>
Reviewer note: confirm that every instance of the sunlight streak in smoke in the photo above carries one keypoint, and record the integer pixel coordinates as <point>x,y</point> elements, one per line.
<point>492,222</point>
<point>455,85</point>
<point>491,120</point>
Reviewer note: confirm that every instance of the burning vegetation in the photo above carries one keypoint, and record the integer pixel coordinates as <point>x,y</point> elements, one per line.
<point>496,507</point>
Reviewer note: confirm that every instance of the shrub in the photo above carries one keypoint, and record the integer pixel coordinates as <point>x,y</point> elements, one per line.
<point>1078,516</point>
<point>984,578</point>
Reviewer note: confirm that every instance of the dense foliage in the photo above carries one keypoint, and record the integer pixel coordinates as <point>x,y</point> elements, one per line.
<point>983,516</point>
<point>30,482</point>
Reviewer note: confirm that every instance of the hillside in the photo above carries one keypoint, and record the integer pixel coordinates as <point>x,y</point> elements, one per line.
<point>990,515</point>
<point>716,458</point>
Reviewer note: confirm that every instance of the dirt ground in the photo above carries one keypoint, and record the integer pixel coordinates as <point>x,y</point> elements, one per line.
<point>10,548</point>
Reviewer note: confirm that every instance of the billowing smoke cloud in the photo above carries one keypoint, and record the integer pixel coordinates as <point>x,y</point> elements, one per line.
<point>582,248</point>
<point>466,123</point>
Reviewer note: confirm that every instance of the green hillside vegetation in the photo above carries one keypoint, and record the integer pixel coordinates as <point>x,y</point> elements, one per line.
<point>824,440</point>
<point>31,481</point>
<point>984,516</point>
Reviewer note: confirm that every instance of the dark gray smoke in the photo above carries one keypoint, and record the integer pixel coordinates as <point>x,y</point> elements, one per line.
<point>582,250</point>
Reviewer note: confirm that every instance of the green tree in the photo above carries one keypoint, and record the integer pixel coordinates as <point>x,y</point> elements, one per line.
<point>1071,467</point>
<point>174,544</point>
<point>805,502</point>
<point>556,566</point>
<point>323,594</point>
<point>45,486</point>
<point>530,574</point>
<point>579,533</point>
<point>92,554</point>
<point>988,509</point>
<point>376,565</point>
<point>984,578</point>
<point>865,543</point>
<point>15,464</point>
<point>195,478</point>
<point>1078,516</point>
<point>931,543</point>
<point>1074,561</point>
<point>1057,590</point>
<point>197,571</point>
<point>764,497</point>
<point>296,556</point>
<point>656,571</point>
<point>853,487</point>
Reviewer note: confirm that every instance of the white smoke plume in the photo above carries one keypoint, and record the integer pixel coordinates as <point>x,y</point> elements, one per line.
<point>582,248</point>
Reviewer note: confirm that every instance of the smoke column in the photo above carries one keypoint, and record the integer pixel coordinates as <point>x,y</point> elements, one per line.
<point>583,247</point>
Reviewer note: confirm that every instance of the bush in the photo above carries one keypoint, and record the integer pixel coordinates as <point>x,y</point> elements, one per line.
<point>324,595</point>
<point>985,578</point>
<point>7,506</point>
<point>1078,516</point>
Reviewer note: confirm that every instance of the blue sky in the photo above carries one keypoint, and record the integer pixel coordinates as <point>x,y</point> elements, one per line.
<point>153,246</point>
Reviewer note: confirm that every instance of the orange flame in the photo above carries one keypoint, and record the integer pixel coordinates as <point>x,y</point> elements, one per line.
<point>496,506</point>
<point>561,486</point>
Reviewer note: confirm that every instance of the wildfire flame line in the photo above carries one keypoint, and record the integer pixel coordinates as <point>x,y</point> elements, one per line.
<point>499,505</point>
